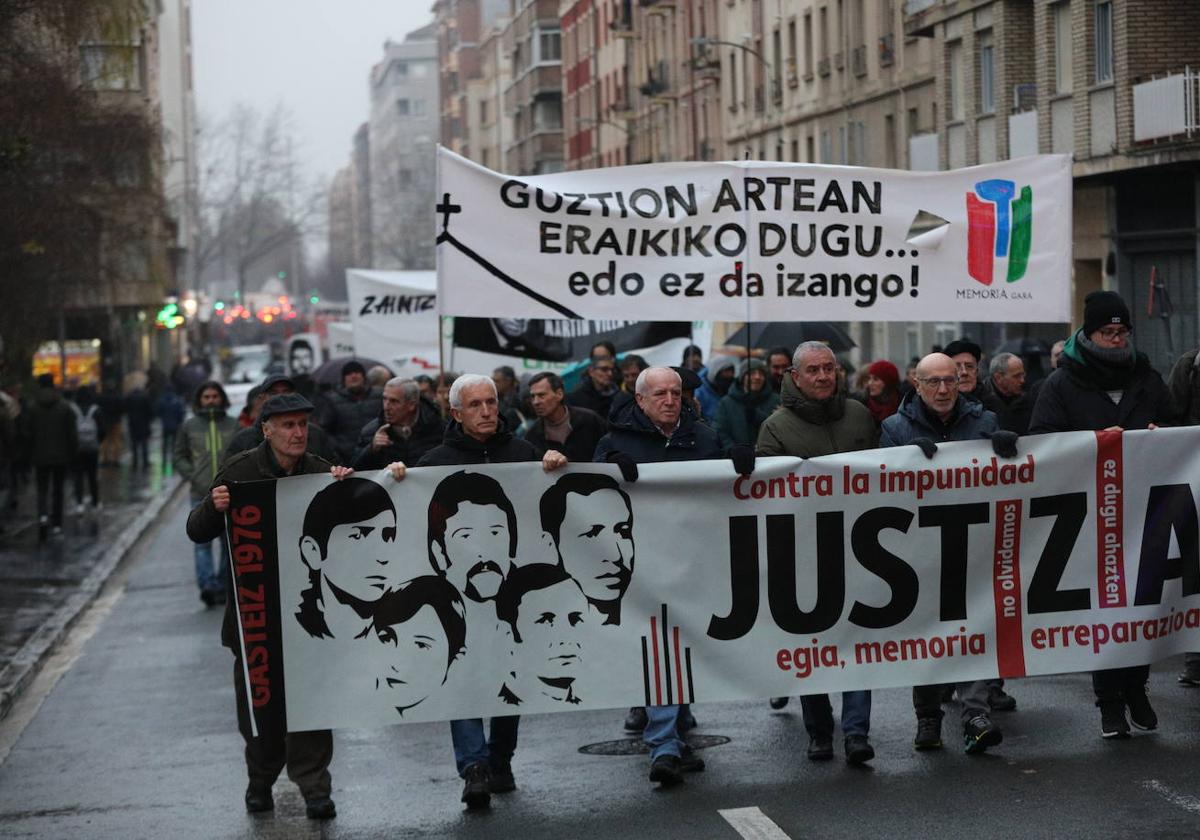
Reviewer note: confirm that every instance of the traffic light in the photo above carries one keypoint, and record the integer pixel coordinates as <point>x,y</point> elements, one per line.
<point>168,317</point>
<point>219,306</point>
<point>314,298</point>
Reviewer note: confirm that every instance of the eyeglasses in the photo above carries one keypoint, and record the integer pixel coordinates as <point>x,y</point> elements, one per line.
<point>1113,333</point>
<point>937,382</point>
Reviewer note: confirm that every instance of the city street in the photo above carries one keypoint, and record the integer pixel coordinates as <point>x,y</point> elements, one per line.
<point>128,731</point>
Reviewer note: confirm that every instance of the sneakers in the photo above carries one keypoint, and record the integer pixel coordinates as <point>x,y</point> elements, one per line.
<point>1001,701</point>
<point>858,749</point>
<point>1112,720</point>
<point>820,748</point>
<point>929,734</point>
<point>320,808</point>
<point>502,780</point>
<point>979,733</point>
<point>636,720</point>
<point>477,788</point>
<point>689,762</point>
<point>778,703</point>
<point>666,771</point>
<point>258,800</point>
<point>1141,714</point>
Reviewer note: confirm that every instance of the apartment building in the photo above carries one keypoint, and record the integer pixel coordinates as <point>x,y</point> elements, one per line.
<point>534,96</point>
<point>488,125</point>
<point>1113,83</point>
<point>597,38</point>
<point>460,25</point>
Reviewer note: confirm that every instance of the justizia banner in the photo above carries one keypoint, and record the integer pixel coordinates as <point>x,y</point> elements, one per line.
<point>757,241</point>
<point>501,589</point>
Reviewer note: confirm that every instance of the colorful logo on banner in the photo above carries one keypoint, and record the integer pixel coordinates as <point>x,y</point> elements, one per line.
<point>999,230</point>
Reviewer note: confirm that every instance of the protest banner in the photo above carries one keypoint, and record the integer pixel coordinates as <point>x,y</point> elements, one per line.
<point>501,589</point>
<point>341,338</point>
<point>395,319</point>
<point>757,241</point>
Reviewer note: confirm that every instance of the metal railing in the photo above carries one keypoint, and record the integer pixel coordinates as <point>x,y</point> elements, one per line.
<point>1167,107</point>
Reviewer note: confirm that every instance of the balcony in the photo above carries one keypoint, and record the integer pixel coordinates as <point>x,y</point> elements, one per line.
<point>1167,108</point>
<point>621,28</point>
<point>921,17</point>
<point>858,60</point>
<point>822,67</point>
<point>887,50</point>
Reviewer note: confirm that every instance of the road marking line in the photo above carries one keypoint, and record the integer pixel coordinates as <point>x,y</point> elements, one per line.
<point>1181,800</point>
<point>753,824</point>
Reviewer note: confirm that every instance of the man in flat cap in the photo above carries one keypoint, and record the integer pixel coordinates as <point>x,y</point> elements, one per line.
<point>283,452</point>
<point>251,436</point>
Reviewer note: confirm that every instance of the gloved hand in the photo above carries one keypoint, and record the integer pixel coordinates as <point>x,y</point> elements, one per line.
<point>925,445</point>
<point>742,456</point>
<point>629,470</point>
<point>1004,443</point>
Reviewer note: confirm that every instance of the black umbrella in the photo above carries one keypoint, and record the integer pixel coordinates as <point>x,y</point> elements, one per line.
<point>330,373</point>
<point>791,334</point>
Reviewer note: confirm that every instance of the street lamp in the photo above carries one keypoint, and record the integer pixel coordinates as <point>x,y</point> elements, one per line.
<point>704,42</point>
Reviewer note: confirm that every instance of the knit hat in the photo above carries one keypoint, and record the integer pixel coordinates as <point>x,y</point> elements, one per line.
<point>748,365</point>
<point>353,366</point>
<point>963,345</point>
<point>1102,309</point>
<point>886,371</point>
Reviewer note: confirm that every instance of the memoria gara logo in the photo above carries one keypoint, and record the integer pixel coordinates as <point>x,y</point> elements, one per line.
<point>999,230</point>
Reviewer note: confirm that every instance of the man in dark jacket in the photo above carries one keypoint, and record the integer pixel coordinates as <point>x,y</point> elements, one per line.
<point>349,408</point>
<point>657,427</point>
<point>477,435</point>
<point>571,430</point>
<point>817,419</point>
<point>199,450</point>
<point>748,403</point>
<point>49,427</point>
<point>938,411</point>
<point>319,442</point>
<point>966,355</point>
<point>1004,394</point>
<point>596,391</point>
<point>406,428</point>
<point>1103,383</point>
<point>283,452</point>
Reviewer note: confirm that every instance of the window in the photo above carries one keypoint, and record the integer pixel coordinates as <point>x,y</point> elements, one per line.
<point>1064,71</point>
<point>954,80</point>
<point>400,69</point>
<point>403,107</point>
<point>776,61</point>
<point>547,115</point>
<point>733,84</point>
<point>418,107</point>
<point>418,69</point>
<point>549,45</point>
<point>483,112</point>
<point>793,56</point>
<point>111,66</point>
<point>987,74</point>
<point>808,44</point>
<point>1104,48</point>
<point>823,34</point>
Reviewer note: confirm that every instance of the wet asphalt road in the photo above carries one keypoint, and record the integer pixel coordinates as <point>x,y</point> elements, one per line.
<point>135,737</point>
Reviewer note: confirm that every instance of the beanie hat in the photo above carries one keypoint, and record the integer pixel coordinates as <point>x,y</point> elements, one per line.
<point>1102,309</point>
<point>353,366</point>
<point>886,371</point>
<point>963,345</point>
<point>748,365</point>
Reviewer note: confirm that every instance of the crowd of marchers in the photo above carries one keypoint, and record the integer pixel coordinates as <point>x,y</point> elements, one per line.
<point>798,401</point>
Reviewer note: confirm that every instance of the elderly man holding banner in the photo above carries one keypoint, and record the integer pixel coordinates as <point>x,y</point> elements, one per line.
<point>657,426</point>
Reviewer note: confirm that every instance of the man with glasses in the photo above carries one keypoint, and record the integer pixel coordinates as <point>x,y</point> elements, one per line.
<point>596,391</point>
<point>938,411</point>
<point>1103,383</point>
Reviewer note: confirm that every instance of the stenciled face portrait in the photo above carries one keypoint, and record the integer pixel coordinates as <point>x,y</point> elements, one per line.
<point>409,658</point>
<point>475,555</point>
<point>359,558</point>
<point>552,622</point>
<point>595,543</point>
<point>300,358</point>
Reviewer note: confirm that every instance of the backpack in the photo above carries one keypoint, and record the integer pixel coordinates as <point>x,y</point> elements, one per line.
<point>87,429</point>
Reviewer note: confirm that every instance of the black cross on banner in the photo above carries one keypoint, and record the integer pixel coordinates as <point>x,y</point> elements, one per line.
<point>445,209</point>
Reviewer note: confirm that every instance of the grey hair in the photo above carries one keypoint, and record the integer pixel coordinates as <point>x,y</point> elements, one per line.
<point>410,391</point>
<point>468,380</point>
<point>641,386</point>
<point>1000,363</point>
<point>810,347</point>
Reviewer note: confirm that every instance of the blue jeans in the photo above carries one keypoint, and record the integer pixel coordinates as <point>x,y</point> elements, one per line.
<point>665,726</point>
<point>208,578</point>
<point>472,747</point>
<point>818,714</point>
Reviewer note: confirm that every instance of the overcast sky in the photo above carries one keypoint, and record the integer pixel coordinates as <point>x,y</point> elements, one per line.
<point>312,55</point>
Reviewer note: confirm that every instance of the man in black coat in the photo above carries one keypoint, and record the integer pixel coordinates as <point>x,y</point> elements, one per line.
<point>349,408</point>
<point>477,435</point>
<point>406,428</point>
<point>658,426</point>
<point>1103,383</point>
<point>596,391</point>
<point>1004,393</point>
<point>283,452</point>
<point>966,355</point>
<point>319,443</point>
<point>571,430</point>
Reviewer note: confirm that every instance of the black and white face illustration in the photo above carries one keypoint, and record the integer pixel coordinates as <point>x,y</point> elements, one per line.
<point>475,552</point>
<point>300,358</point>
<point>358,558</point>
<point>416,634</point>
<point>551,625</point>
<point>595,541</point>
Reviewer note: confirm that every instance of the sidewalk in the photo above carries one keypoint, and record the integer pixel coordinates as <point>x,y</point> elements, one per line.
<point>45,586</point>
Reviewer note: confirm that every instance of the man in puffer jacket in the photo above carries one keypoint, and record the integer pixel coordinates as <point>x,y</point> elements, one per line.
<point>199,449</point>
<point>936,411</point>
<point>1103,383</point>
